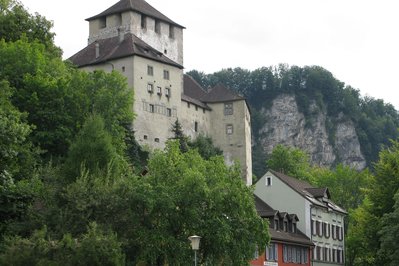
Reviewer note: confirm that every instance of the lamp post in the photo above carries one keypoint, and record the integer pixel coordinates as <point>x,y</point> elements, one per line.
<point>195,241</point>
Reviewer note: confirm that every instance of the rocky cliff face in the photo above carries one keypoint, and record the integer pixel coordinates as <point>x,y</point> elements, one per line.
<point>284,124</point>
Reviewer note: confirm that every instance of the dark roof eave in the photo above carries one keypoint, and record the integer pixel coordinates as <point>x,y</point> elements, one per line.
<point>124,56</point>
<point>148,15</point>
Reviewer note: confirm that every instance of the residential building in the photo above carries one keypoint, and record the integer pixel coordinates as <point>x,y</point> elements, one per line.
<point>288,245</point>
<point>145,46</point>
<point>321,220</point>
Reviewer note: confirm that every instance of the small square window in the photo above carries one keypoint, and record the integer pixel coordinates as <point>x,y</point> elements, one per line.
<point>167,92</point>
<point>229,129</point>
<point>143,21</point>
<point>228,108</point>
<point>150,88</point>
<point>171,31</point>
<point>157,26</point>
<point>145,137</point>
<point>152,108</point>
<point>156,139</point>
<point>166,74</point>
<point>150,71</point>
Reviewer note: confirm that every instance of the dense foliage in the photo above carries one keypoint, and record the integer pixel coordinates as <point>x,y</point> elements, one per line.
<point>77,189</point>
<point>376,122</point>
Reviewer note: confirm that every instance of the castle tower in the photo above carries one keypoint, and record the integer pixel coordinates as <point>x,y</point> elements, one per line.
<point>142,20</point>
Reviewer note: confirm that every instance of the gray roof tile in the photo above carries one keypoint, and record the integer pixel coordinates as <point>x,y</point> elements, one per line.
<point>140,6</point>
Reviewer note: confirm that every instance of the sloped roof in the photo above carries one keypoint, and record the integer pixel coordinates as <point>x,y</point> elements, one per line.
<point>289,237</point>
<point>319,192</point>
<point>113,48</point>
<point>220,93</point>
<point>263,209</point>
<point>139,6</point>
<point>192,92</point>
<point>307,190</point>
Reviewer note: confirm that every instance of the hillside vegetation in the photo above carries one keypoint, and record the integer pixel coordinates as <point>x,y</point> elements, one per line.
<point>376,122</point>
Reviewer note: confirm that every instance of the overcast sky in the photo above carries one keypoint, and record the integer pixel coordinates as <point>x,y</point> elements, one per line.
<point>357,40</point>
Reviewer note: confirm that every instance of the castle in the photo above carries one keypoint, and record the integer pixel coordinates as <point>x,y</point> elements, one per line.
<point>144,45</point>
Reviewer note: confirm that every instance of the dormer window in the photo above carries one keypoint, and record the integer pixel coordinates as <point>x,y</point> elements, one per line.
<point>276,224</point>
<point>285,228</point>
<point>293,228</point>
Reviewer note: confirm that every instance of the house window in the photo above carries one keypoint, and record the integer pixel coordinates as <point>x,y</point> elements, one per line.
<point>150,88</point>
<point>334,232</point>
<point>166,74</point>
<point>276,225</point>
<point>143,22</point>
<point>272,252</point>
<point>229,129</point>
<point>150,71</point>
<point>159,91</point>
<point>171,31</point>
<point>320,229</point>
<point>228,108</point>
<point>268,181</point>
<point>157,26</point>
<point>313,227</point>
<point>196,126</point>
<point>167,92</point>
<point>152,108</point>
<point>327,230</point>
<point>168,112</point>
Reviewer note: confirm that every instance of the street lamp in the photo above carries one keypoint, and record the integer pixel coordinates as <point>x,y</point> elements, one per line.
<point>195,241</point>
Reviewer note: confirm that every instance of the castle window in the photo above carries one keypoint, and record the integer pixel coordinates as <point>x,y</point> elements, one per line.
<point>157,26</point>
<point>123,69</point>
<point>143,22</point>
<point>150,88</point>
<point>150,71</point>
<point>102,22</point>
<point>159,91</point>
<point>196,126</point>
<point>229,129</point>
<point>166,74</point>
<point>145,137</point>
<point>228,108</point>
<point>152,108</point>
<point>156,139</point>
<point>168,112</point>
<point>171,31</point>
<point>196,108</point>
<point>167,92</point>
<point>203,110</point>
<point>188,105</point>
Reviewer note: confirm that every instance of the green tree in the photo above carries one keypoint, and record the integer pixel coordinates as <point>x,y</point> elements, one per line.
<point>93,151</point>
<point>290,161</point>
<point>179,135</point>
<point>389,234</point>
<point>16,22</point>
<point>94,247</point>
<point>205,147</point>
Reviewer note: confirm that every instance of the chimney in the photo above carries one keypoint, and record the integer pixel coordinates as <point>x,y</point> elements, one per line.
<point>121,34</point>
<point>97,50</point>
